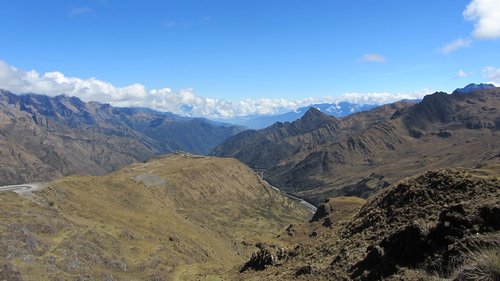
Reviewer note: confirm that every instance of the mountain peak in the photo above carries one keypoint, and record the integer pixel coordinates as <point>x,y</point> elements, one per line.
<point>313,114</point>
<point>473,87</point>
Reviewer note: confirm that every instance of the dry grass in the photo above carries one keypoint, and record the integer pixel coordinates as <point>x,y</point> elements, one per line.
<point>481,265</point>
<point>133,226</point>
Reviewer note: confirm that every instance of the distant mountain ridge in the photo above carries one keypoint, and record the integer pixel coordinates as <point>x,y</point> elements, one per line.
<point>45,137</point>
<point>340,109</point>
<point>287,139</point>
<point>474,87</point>
<point>319,156</point>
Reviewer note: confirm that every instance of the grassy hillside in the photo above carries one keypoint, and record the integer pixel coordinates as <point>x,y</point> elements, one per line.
<point>177,217</point>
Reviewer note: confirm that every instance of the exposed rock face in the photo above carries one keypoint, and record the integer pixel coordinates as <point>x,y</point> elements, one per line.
<point>43,138</point>
<point>266,256</point>
<point>417,229</point>
<point>473,110</point>
<point>318,156</point>
<point>426,222</point>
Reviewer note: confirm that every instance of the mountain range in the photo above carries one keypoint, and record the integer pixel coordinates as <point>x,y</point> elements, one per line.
<point>319,156</point>
<point>48,137</point>
<point>405,191</point>
<point>339,109</point>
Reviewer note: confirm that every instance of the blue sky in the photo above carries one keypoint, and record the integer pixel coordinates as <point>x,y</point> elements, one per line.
<point>233,50</point>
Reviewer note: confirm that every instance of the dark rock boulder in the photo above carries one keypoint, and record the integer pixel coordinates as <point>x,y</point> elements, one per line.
<point>265,257</point>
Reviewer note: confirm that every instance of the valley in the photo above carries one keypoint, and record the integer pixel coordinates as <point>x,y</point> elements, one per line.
<point>250,140</point>
<point>319,156</point>
<point>381,181</point>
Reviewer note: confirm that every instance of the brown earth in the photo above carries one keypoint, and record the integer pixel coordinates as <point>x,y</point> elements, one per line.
<point>422,228</point>
<point>178,217</point>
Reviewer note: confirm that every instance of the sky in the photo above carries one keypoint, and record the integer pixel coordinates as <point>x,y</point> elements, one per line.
<point>226,58</point>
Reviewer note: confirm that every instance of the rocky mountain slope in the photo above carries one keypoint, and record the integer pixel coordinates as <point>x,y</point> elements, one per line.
<point>441,225</point>
<point>178,217</point>
<point>319,156</point>
<point>43,138</point>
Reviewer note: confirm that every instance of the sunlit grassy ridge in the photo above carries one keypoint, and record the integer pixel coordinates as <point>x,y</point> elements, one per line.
<point>175,217</point>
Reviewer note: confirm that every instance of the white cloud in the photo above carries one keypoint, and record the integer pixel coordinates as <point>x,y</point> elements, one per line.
<point>380,98</point>
<point>184,101</point>
<point>373,58</point>
<point>492,74</point>
<point>461,74</point>
<point>455,45</point>
<point>486,17</point>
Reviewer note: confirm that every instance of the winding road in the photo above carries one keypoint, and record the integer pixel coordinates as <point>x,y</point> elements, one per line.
<point>310,207</point>
<point>23,188</point>
<point>20,188</point>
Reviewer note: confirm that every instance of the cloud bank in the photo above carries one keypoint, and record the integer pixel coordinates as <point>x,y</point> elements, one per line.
<point>486,17</point>
<point>183,102</point>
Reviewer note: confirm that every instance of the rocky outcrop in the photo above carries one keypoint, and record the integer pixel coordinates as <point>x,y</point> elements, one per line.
<point>267,255</point>
<point>427,222</point>
<point>441,223</point>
